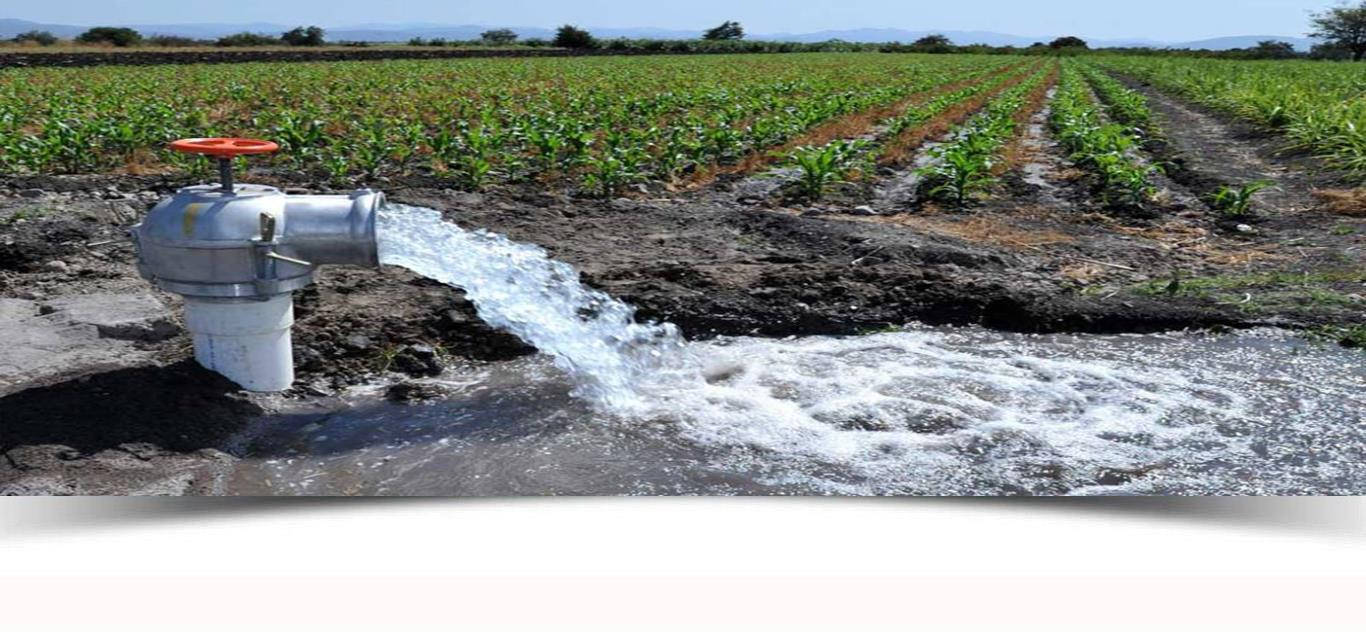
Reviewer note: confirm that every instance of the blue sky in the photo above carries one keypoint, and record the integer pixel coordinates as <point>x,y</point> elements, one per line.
<point>1156,19</point>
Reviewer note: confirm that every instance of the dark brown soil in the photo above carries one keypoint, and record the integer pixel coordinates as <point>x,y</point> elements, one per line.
<point>1205,150</point>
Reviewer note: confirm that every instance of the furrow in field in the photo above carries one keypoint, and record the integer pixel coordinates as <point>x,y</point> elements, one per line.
<point>848,126</point>
<point>1206,154</point>
<point>1036,102</point>
<point>959,164</point>
<point>1315,106</point>
<point>901,149</point>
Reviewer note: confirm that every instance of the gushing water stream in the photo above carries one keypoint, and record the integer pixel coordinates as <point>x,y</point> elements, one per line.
<point>517,287</point>
<point>616,407</point>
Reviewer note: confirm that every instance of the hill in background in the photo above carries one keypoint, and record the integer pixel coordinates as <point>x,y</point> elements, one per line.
<point>404,32</point>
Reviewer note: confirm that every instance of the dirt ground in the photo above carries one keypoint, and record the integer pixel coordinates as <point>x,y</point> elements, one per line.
<point>118,406</point>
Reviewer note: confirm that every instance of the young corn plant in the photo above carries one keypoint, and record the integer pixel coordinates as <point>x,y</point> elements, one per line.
<point>474,157</point>
<point>957,173</point>
<point>1126,184</point>
<point>614,168</point>
<point>962,166</point>
<point>1237,201</point>
<point>301,136</point>
<point>442,147</point>
<point>823,166</point>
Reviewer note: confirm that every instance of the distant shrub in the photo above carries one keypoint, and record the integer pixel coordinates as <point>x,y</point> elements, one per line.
<point>535,42</point>
<point>1272,49</point>
<point>728,30</point>
<point>435,41</point>
<point>41,38</point>
<point>300,36</point>
<point>174,41</point>
<point>116,36</point>
<point>1330,51</point>
<point>247,39</point>
<point>498,37</point>
<point>1068,42</point>
<point>934,44</point>
<point>569,36</point>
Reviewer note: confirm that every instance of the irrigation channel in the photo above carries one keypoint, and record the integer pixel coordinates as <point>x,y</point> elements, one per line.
<point>612,406</point>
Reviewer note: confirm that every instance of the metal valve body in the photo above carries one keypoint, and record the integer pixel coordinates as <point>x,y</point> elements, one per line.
<point>237,254</point>
<point>255,242</point>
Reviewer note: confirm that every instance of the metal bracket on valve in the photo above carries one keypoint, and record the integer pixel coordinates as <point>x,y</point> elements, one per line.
<point>267,278</point>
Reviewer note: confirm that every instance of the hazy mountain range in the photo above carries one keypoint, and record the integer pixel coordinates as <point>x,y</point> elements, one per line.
<point>404,32</point>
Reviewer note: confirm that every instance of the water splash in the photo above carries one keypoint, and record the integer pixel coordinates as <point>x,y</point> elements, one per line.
<point>921,411</point>
<point>518,287</point>
<point>925,411</point>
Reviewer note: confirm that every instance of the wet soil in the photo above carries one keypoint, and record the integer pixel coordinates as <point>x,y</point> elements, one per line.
<point>1038,254</point>
<point>1205,150</point>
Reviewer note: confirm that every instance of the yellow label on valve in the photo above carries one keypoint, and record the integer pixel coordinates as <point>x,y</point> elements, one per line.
<point>190,217</point>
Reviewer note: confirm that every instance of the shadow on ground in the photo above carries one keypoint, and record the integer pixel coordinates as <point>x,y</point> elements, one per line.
<point>181,407</point>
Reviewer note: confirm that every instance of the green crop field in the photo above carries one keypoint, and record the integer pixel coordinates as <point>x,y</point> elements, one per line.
<point>603,123</point>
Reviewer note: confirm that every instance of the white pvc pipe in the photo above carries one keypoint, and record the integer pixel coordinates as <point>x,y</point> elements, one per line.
<point>247,341</point>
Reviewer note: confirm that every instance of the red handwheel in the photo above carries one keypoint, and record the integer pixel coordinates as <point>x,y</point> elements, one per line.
<point>224,149</point>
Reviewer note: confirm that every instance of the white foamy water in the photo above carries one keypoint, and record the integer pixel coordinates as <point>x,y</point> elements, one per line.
<point>945,411</point>
<point>926,411</point>
<point>517,287</point>
<point>615,407</point>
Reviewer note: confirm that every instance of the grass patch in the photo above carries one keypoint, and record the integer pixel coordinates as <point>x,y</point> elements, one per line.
<point>1270,291</point>
<point>23,214</point>
<point>1351,336</point>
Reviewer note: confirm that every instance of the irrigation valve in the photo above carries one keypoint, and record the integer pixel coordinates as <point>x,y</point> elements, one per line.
<point>237,252</point>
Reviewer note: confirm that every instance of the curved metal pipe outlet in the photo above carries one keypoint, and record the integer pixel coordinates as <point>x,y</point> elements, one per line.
<point>325,230</point>
<point>237,254</point>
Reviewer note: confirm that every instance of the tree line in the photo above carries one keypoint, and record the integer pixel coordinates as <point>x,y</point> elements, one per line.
<point>1341,31</point>
<point>124,37</point>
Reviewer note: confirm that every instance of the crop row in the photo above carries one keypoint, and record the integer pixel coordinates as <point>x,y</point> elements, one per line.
<point>1124,106</point>
<point>1320,107</point>
<point>823,165</point>
<point>1107,149</point>
<point>963,164</point>
<point>905,130</point>
<point>602,122</point>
